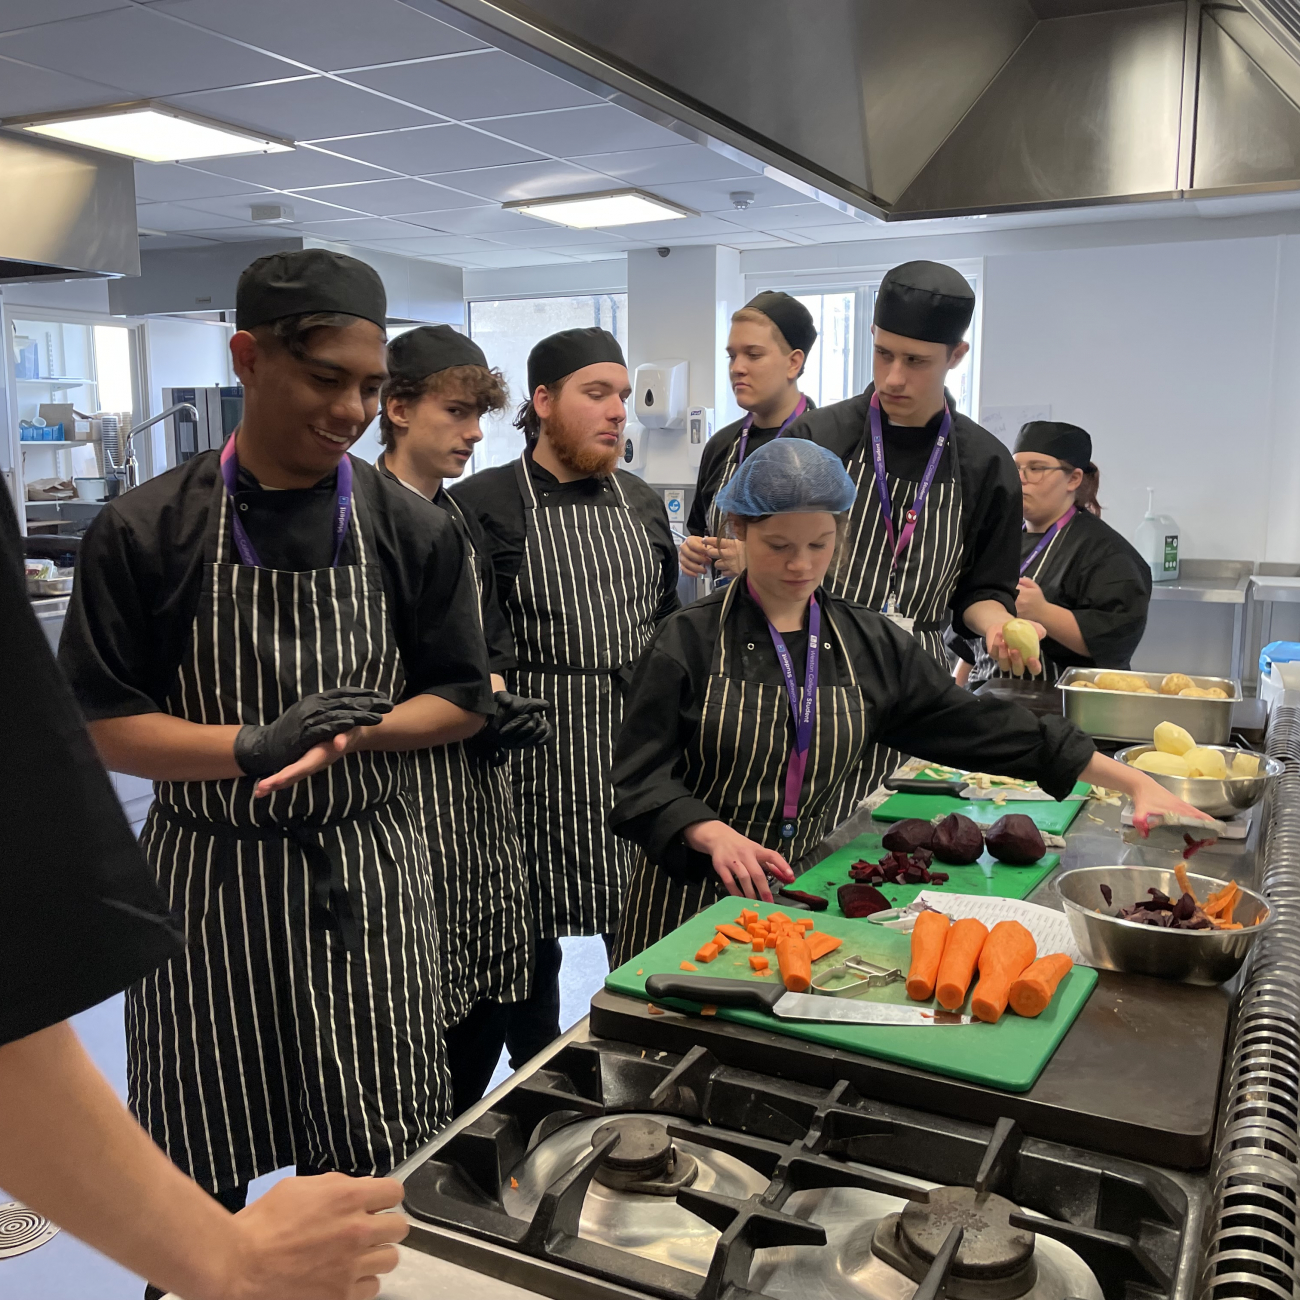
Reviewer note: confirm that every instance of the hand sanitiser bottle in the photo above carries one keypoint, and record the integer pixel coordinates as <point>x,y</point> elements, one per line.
<point>1156,540</point>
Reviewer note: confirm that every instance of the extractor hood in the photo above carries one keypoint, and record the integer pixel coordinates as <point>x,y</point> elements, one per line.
<point>65,212</point>
<point>907,109</point>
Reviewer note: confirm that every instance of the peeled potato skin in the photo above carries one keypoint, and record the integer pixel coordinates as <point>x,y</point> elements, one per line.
<point>1161,763</point>
<point>1170,738</point>
<point>1206,762</point>
<point>1174,683</point>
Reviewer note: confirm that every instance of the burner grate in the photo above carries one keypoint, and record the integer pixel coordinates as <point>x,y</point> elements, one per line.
<point>22,1229</point>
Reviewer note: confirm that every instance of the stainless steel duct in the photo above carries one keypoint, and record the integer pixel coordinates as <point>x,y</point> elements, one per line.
<point>65,211</point>
<point>906,110</point>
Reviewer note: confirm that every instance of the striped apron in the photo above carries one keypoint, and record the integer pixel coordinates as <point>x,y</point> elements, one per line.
<point>480,882</point>
<point>582,610</point>
<point>736,763</point>
<point>924,581</point>
<point>302,1025</point>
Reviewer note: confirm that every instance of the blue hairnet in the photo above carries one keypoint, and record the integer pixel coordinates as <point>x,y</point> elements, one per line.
<point>787,476</point>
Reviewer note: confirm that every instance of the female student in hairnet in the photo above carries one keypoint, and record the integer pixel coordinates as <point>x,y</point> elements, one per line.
<point>751,707</point>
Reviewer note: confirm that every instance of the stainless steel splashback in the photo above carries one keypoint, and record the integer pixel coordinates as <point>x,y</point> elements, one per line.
<point>903,109</point>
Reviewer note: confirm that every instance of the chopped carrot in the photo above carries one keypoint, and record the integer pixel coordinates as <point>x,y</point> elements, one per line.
<point>657,1011</point>
<point>721,942</point>
<point>759,963</point>
<point>957,964</point>
<point>773,917</point>
<point>708,1010</point>
<point>803,924</point>
<point>1007,953</point>
<point>688,965</point>
<point>707,953</point>
<point>1031,993</point>
<point>639,971</point>
<point>1183,883</point>
<point>929,935</point>
<point>747,917</point>
<point>795,961</point>
<point>736,932</point>
<point>514,1184</point>
<point>759,945</point>
<point>821,944</point>
<point>770,941</point>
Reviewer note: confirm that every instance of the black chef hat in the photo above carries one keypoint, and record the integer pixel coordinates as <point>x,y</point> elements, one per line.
<point>308,281</point>
<point>1064,442</point>
<point>569,350</point>
<point>790,317</point>
<point>927,301</point>
<point>422,352</point>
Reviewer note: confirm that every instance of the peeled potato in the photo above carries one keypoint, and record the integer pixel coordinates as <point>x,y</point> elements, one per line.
<point>1174,683</point>
<point>1084,686</point>
<point>1194,692</point>
<point>1144,688</point>
<point>1215,693</point>
<point>1170,738</point>
<point>1206,762</point>
<point>1111,681</point>
<point>1245,765</point>
<point>1164,764</point>
<point>1019,635</point>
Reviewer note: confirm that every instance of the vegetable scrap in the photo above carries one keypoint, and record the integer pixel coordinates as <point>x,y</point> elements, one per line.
<point>814,902</point>
<point>708,1009</point>
<point>899,868</point>
<point>1159,909</point>
<point>688,965</point>
<point>657,1011</point>
<point>861,900</point>
<point>1106,894</point>
<point>1193,846</point>
<point>514,1184</point>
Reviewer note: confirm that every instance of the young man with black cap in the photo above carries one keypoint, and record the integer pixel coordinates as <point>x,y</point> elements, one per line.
<point>439,387</point>
<point>934,533</point>
<point>266,632</point>
<point>771,337</point>
<point>585,568</point>
<point>1079,579</point>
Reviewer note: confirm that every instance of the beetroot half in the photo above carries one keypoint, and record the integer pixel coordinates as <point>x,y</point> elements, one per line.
<point>1015,840</point>
<point>908,835</point>
<point>861,900</point>
<point>957,841</point>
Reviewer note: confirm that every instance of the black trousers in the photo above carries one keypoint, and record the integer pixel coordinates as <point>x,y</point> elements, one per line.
<point>473,1050</point>
<point>535,1024</point>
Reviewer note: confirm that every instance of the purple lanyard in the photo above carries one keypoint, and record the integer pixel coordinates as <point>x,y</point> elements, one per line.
<point>749,420</point>
<point>342,516</point>
<point>803,710</point>
<point>1047,538</point>
<point>900,542</point>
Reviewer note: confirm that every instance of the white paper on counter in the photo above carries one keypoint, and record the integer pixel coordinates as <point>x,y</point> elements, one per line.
<point>1049,927</point>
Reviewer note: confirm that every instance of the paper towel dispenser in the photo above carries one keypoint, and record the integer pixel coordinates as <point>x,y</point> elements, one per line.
<point>659,394</point>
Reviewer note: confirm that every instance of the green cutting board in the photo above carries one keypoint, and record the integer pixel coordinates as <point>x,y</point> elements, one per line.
<point>1009,1055</point>
<point>991,879</point>
<point>1049,816</point>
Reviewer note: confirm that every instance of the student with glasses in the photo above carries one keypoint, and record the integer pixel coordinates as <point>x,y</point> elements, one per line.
<point>1078,577</point>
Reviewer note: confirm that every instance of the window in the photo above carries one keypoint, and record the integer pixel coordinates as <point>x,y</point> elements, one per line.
<point>506,329</point>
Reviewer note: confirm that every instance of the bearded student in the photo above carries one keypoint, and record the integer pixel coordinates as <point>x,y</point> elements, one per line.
<point>266,632</point>
<point>586,567</point>
<point>770,339</point>
<point>438,389</point>
<point>752,707</point>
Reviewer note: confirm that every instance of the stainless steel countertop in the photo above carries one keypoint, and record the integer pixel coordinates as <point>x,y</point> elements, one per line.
<point>1214,591</point>
<point>1274,587</point>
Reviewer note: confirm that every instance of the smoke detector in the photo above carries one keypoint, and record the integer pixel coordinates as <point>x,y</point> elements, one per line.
<point>741,199</point>
<point>271,212</point>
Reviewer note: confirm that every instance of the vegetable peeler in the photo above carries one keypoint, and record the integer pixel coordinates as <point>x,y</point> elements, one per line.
<point>873,977</point>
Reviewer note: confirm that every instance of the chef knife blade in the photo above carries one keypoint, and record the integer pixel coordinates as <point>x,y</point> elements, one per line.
<point>772,998</point>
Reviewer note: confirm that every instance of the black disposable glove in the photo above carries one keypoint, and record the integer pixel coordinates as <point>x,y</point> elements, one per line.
<point>521,722</point>
<point>264,750</point>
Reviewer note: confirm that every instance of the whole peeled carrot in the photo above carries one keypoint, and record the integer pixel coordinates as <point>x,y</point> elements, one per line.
<point>929,935</point>
<point>957,964</point>
<point>795,962</point>
<point>1007,953</point>
<point>1031,993</point>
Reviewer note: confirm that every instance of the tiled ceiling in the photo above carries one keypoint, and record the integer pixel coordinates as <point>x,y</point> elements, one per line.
<point>410,135</point>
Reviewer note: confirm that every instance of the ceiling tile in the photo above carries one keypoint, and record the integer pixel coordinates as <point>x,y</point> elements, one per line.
<point>432,246</point>
<point>356,229</point>
<point>531,180</point>
<point>301,169</point>
<point>235,234</point>
<point>326,34</point>
<point>600,252</point>
<point>149,243</point>
<point>25,89</point>
<point>170,217</point>
<point>391,198</point>
<point>668,232</point>
<point>430,150</point>
<point>238,207</point>
<point>681,162</point>
<point>474,221</point>
<point>553,237</point>
<point>518,257</point>
<point>575,131</point>
<point>305,109</point>
<point>715,196</point>
<point>167,181</point>
<point>796,216</point>
<point>28,13</point>
<point>491,84</point>
<point>141,52</point>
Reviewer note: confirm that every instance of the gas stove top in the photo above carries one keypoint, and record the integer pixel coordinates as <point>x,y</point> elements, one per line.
<point>615,1170</point>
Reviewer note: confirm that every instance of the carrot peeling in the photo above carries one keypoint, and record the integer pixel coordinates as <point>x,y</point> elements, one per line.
<point>1183,883</point>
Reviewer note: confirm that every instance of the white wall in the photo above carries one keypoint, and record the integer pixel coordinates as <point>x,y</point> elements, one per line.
<point>182,354</point>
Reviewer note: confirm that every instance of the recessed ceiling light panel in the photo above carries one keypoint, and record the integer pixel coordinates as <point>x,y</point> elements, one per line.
<point>612,208</point>
<point>150,132</point>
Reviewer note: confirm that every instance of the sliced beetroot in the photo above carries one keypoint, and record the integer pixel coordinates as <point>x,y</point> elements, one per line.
<point>957,841</point>
<point>1107,895</point>
<point>908,835</point>
<point>1015,840</point>
<point>861,900</point>
<point>814,902</point>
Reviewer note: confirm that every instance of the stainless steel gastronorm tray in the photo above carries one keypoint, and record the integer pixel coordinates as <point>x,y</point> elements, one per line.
<point>1120,715</point>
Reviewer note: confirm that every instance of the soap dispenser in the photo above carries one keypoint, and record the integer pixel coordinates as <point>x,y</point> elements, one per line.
<point>1156,540</point>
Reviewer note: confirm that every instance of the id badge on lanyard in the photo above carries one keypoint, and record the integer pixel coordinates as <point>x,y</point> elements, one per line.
<point>899,542</point>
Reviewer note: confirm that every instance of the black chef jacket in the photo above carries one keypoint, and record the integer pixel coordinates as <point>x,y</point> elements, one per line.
<point>493,497</point>
<point>910,703</point>
<point>990,488</point>
<point>140,576</point>
<point>496,631</point>
<point>1095,574</point>
<point>713,461</point>
<point>80,917</point>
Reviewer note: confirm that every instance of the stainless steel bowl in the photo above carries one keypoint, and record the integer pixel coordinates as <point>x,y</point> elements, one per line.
<point>1191,956</point>
<point>1218,798</point>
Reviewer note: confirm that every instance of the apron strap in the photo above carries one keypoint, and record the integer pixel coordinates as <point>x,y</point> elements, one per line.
<point>525,481</point>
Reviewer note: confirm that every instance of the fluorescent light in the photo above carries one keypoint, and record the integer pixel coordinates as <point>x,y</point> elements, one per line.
<point>613,208</point>
<point>150,132</point>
